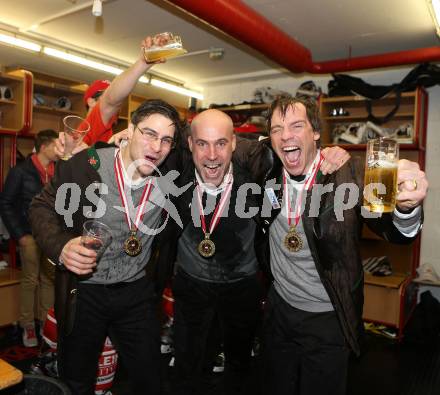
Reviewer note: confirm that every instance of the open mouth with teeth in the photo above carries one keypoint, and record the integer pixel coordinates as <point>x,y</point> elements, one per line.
<point>212,169</point>
<point>292,154</point>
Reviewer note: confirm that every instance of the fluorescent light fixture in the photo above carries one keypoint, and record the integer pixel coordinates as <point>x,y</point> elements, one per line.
<point>82,61</point>
<point>434,9</point>
<point>175,88</point>
<point>18,42</point>
<point>144,79</point>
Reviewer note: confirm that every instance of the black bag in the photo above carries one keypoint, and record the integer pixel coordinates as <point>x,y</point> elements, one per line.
<point>425,74</point>
<point>424,325</point>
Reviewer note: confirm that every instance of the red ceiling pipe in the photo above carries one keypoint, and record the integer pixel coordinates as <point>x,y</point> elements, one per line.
<point>370,62</point>
<point>246,25</point>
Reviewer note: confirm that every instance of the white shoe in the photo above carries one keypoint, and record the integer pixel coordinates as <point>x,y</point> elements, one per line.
<point>29,335</point>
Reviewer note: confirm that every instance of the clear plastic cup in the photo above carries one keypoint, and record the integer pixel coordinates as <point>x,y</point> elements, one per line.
<point>75,128</point>
<point>96,236</point>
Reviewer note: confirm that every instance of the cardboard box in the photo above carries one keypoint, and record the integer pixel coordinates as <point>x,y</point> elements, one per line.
<point>385,299</point>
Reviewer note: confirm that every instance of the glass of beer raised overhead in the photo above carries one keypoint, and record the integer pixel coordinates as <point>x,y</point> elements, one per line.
<point>170,46</point>
<point>380,182</point>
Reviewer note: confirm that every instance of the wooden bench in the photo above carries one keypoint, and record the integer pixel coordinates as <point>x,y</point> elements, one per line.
<point>9,375</point>
<point>9,295</point>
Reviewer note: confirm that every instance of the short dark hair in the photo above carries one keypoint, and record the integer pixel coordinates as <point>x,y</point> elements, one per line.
<point>284,102</point>
<point>157,106</point>
<point>44,137</point>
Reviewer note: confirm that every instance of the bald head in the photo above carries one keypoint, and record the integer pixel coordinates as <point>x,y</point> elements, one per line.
<point>211,118</point>
<point>212,142</point>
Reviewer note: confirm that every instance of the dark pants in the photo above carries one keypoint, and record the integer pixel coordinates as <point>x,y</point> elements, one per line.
<point>128,314</point>
<point>304,353</point>
<point>237,306</point>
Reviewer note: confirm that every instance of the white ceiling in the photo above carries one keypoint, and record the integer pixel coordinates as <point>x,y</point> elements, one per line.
<point>329,28</point>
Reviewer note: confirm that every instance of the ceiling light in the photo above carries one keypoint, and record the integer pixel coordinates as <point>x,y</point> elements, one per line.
<point>97,8</point>
<point>434,9</point>
<point>175,88</point>
<point>18,42</point>
<point>144,80</point>
<point>82,61</point>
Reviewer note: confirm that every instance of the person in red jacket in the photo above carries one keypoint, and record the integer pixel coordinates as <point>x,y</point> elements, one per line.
<point>101,122</point>
<point>103,105</point>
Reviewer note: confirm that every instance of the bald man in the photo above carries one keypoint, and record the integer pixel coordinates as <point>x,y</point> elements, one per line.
<point>216,266</point>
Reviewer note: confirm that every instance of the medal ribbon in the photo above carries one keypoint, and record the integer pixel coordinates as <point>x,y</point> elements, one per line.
<point>144,198</point>
<point>219,207</point>
<point>308,183</point>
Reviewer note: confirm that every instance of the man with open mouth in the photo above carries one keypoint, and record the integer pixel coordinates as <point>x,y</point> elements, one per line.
<point>313,316</point>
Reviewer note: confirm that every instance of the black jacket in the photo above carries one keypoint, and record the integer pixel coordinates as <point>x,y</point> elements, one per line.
<point>22,184</point>
<point>52,233</point>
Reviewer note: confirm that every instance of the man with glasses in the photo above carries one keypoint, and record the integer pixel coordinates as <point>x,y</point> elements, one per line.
<point>115,296</point>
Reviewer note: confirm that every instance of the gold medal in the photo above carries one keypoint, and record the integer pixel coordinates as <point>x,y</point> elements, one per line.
<point>206,247</point>
<point>293,241</point>
<point>132,246</point>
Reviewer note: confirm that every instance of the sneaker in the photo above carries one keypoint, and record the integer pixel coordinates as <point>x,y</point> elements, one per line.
<point>219,363</point>
<point>29,335</point>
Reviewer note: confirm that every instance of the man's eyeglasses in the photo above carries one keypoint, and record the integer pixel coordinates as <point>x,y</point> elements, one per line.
<point>150,136</point>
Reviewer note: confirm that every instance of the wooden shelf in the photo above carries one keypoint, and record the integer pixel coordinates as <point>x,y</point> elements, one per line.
<point>356,98</point>
<point>392,281</point>
<point>348,118</point>
<point>410,111</point>
<point>55,110</point>
<point>5,101</point>
<point>243,107</point>
<point>362,147</point>
<point>45,87</point>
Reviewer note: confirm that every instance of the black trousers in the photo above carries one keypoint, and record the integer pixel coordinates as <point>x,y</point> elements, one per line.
<point>237,306</point>
<point>304,353</point>
<point>128,314</point>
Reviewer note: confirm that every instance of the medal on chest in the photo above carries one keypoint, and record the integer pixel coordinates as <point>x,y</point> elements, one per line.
<point>293,241</point>
<point>206,248</point>
<point>132,244</point>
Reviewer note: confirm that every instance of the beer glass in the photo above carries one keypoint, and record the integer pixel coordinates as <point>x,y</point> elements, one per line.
<point>75,128</point>
<point>173,47</point>
<point>380,182</point>
<point>96,236</point>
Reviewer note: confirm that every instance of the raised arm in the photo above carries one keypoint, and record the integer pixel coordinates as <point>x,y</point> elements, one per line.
<point>113,97</point>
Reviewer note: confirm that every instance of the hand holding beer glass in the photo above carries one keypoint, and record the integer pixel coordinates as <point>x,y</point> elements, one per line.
<point>380,181</point>
<point>75,128</point>
<point>165,45</point>
<point>96,236</point>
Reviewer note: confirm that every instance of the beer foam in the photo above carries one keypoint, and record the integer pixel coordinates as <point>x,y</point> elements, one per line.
<point>384,164</point>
